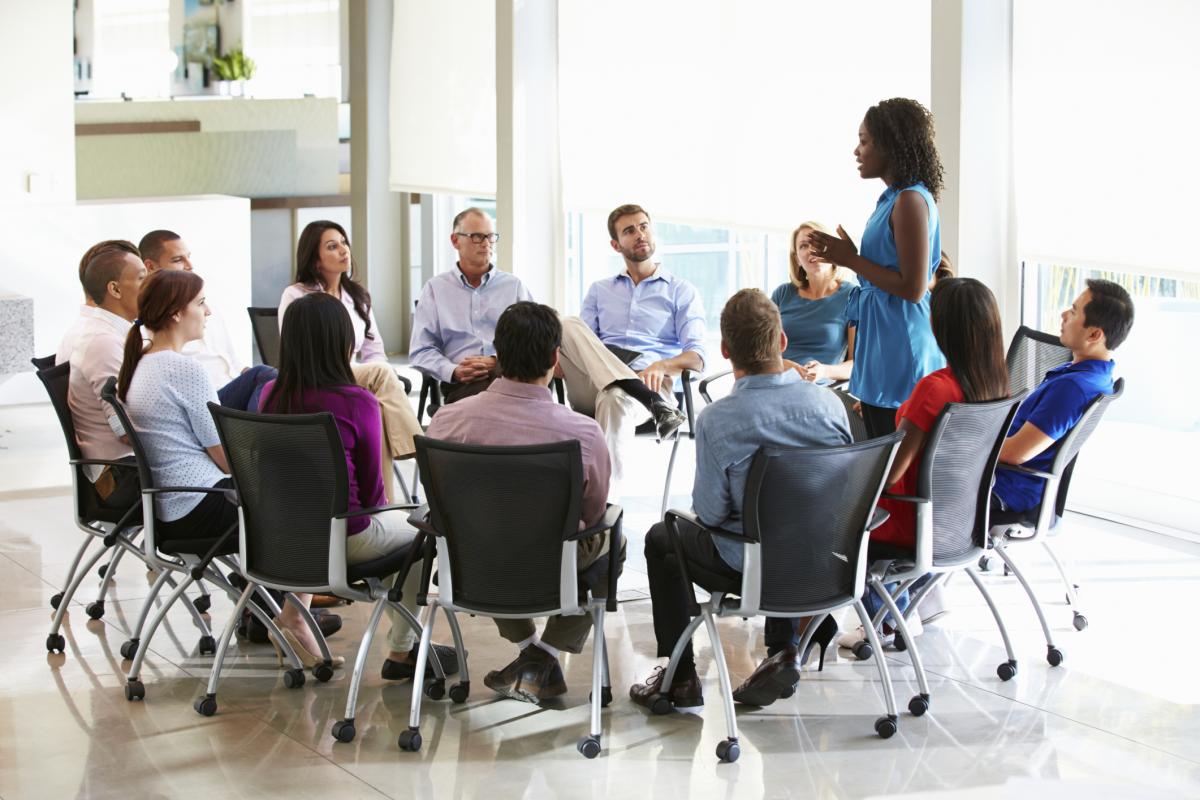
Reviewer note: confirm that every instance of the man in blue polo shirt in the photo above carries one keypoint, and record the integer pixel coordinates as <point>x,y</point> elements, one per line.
<point>1095,325</point>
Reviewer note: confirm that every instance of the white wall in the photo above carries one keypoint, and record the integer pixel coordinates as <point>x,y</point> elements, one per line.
<point>37,102</point>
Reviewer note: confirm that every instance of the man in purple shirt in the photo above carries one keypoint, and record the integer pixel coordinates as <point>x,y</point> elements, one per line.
<point>517,409</point>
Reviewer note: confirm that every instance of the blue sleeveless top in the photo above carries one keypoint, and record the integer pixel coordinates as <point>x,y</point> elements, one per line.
<point>894,347</point>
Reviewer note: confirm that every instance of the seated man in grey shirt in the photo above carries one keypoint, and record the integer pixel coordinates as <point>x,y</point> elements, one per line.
<point>770,405</point>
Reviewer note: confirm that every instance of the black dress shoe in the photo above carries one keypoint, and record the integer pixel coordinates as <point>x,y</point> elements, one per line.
<point>667,419</point>
<point>256,632</point>
<point>533,676</point>
<point>399,670</point>
<point>684,693</point>
<point>775,677</point>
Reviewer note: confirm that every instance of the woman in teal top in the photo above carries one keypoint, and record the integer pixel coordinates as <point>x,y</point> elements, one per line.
<point>901,247</point>
<point>815,307</point>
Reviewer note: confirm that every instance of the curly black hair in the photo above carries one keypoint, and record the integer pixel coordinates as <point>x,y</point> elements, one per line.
<point>903,130</point>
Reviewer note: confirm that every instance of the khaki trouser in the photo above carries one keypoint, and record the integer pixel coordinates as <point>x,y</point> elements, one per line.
<point>399,422</point>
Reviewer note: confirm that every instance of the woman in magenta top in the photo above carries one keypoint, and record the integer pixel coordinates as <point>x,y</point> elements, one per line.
<point>315,375</point>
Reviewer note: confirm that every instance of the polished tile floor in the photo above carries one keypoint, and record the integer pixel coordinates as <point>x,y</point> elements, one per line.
<point>1117,719</point>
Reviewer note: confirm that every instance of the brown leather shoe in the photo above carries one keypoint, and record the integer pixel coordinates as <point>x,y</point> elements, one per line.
<point>684,693</point>
<point>533,676</point>
<point>775,677</point>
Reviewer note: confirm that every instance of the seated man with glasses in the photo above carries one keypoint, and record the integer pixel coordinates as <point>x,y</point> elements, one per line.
<point>455,320</point>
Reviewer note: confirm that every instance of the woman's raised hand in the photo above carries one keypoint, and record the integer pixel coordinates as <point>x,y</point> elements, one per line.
<point>838,250</point>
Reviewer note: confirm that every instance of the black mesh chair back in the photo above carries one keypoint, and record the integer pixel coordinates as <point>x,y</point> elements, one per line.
<point>956,474</point>
<point>809,509</point>
<point>1032,354</point>
<point>109,395</point>
<point>291,478</point>
<point>42,362</point>
<point>1072,443</point>
<point>265,323</point>
<point>858,428</point>
<point>504,513</point>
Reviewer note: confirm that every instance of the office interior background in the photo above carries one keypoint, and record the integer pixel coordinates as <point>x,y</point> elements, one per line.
<point>1065,129</point>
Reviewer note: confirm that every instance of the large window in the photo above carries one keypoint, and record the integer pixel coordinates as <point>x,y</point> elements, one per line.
<point>1140,463</point>
<point>131,51</point>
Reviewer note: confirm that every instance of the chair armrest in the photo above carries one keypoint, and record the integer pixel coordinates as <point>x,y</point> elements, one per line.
<point>1037,473</point>
<point>878,517</point>
<point>87,462</point>
<point>719,532</point>
<point>426,570</point>
<point>396,593</point>
<point>703,389</point>
<point>670,519</point>
<point>404,381</point>
<point>419,519</point>
<point>612,516</point>
<point>906,498</point>
<point>363,512</point>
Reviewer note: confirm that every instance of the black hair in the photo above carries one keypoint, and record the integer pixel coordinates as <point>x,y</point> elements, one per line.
<point>315,341</point>
<point>527,334</point>
<point>102,269</point>
<point>903,130</point>
<point>307,257</point>
<point>151,245</point>
<point>1110,310</point>
<point>966,325</point>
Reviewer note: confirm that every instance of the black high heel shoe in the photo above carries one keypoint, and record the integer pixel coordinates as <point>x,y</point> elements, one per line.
<point>823,635</point>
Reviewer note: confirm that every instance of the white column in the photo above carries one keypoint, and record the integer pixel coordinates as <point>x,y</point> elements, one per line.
<point>529,209</point>
<point>972,105</point>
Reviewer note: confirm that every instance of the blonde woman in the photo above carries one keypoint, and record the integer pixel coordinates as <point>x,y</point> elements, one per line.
<point>816,306</point>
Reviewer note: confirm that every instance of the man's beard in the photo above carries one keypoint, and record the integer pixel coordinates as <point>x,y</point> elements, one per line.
<point>636,257</point>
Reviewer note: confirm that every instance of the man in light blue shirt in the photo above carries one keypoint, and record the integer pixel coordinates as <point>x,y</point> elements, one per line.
<point>455,320</point>
<point>770,405</point>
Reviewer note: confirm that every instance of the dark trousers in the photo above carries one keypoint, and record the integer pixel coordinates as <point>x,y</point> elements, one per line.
<point>453,392</point>
<point>243,391</point>
<point>880,421</point>
<point>209,520</point>
<point>670,596</point>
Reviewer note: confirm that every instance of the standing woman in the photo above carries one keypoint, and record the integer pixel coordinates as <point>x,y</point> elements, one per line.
<point>324,264</point>
<point>901,247</point>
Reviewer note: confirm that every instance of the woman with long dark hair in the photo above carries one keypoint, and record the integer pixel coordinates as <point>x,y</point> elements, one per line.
<point>901,246</point>
<point>315,375</point>
<point>324,264</point>
<point>965,323</point>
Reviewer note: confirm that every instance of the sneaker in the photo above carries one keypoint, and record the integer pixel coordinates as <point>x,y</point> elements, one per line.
<point>852,639</point>
<point>532,677</point>
<point>684,693</point>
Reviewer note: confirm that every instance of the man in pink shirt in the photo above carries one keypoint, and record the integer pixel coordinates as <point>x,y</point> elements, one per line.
<point>112,280</point>
<point>517,409</point>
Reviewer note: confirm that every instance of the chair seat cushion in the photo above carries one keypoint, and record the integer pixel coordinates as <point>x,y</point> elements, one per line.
<point>378,567</point>
<point>198,547</point>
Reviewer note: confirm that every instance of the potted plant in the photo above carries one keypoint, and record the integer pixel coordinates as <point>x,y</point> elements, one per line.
<point>233,70</point>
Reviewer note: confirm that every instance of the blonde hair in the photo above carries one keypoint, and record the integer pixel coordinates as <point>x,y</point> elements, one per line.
<point>796,273</point>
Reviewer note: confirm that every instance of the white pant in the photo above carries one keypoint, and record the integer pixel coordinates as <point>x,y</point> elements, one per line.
<point>590,369</point>
<point>385,533</point>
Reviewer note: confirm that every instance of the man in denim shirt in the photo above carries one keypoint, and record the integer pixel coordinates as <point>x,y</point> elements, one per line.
<point>770,405</point>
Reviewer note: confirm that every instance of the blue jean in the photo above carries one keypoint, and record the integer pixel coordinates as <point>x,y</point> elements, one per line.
<point>874,604</point>
<point>243,391</point>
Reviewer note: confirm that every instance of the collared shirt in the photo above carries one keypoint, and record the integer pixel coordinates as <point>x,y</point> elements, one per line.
<point>216,352</point>
<point>660,317</point>
<point>97,354</point>
<point>364,349</point>
<point>1054,407</point>
<point>455,320</point>
<point>67,345</point>
<point>776,409</point>
<point>515,413</point>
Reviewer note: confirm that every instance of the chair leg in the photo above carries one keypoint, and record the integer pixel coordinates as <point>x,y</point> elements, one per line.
<point>54,640</point>
<point>403,483</point>
<point>344,730</point>
<point>134,690</point>
<point>728,750</point>
<point>1054,656</point>
<point>809,630</point>
<point>439,674</point>
<point>598,657</point>
<point>670,470</point>
<point>1007,669</point>
<point>410,739</point>
<point>110,573</point>
<point>56,600</point>
<point>677,653</point>
<point>207,705</point>
<point>264,615</point>
<point>1079,620</point>
<point>915,601</point>
<point>884,726</point>
<point>464,677</point>
<point>311,622</point>
<point>919,704</point>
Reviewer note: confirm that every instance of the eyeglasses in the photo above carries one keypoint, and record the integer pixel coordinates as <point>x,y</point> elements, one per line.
<point>480,238</point>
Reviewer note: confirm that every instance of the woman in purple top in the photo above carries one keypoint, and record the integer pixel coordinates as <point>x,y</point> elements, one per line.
<point>315,347</point>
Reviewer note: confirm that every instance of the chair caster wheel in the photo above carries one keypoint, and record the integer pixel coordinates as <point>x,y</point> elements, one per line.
<point>1080,622</point>
<point>95,609</point>
<point>918,705</point>
<point>728,751</point>
<point>459,692</point>
<point>605,696</point>
<point>207,645</point>
<point>135,690</point>
<point>660,704</point>
<point>129,649</point>
<point>102,570</point>
<point>293,678</point>
<point>206,706</point>
<point>1054,656</point>
<point>410,740</point>
<point>886,727</point>
<point>55,643</point>
<point>56,601</point>
<point>323,673</point>
<point>786,693</point>
<point>202,603</point>
<point>589,746</point>
<point>435,690</point>
<point>1007,670</point>
<point>343,730</point>
<point>863,651</point>
<point>985,563</point>
<point>899,643</point>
